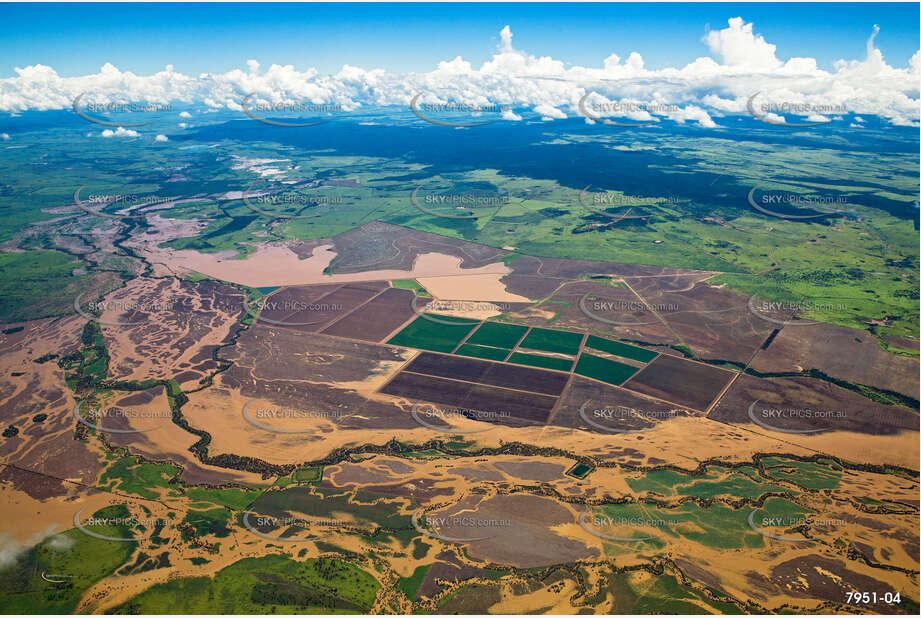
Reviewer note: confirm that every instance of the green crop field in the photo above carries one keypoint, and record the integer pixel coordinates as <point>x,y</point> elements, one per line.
<point>620,349</point>
<point>411,284</point>
<point>546,340</point>
<point>482,351</point>
<point>498,335</point>
<point>440,336</point>
<point>603,369</point>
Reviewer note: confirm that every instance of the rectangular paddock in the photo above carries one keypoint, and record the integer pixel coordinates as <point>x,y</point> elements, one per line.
<point>502,404</point>
<point>684,382</point>
<point>377,318</point>
<point>489,373</point>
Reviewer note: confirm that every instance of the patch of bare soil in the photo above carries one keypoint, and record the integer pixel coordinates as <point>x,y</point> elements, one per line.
<point>36,402</point>
<point>167,328</point>
<point>529,470</point>
<point>798,405</point>
<point>841,352</point>
<point>273,264</point>
<point>519,530</point>
<point>377,246</point>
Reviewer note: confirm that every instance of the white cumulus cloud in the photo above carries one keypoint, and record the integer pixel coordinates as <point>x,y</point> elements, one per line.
<point>548,112</point>
<point>739,46</point>
<point>119,132</point>
<point>741,63</point>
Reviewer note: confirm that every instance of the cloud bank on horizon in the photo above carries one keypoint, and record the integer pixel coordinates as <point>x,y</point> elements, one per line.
<point>703,91</point>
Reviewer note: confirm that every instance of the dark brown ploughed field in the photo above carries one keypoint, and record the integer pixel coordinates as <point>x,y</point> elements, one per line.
<point>285,305</point>
<point>806,404</point>
<point>486,372</point>
<point>306,294</point>
<point>377,318</point>
<point>504,406</point>
<point>597,395</point>
<point>382,246</point>
<point>687,383</point>
<point>842,352</point>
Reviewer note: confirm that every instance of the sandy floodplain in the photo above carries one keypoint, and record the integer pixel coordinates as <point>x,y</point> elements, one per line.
<point>274,264</point>
<point>484,287</point>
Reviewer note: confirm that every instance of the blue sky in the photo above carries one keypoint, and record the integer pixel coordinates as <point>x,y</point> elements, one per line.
<point>195,38</point>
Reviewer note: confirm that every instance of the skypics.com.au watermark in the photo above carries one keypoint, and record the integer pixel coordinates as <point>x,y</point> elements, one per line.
<point>84,104</point>
<point>778,204</point>
<point>787,313</point>
<point>314,527</point>
<point>612,198</point>
<point>425,413</point>
<point>461,108</point>
<point>770,417</point>
<point>130,305</point>
<point>297,200</point>
<point>770,112</point>
<point>612,419</point>
<point>630,107</point>
<point>132,200</point>
<point>594,111</point>
<point>295,305</point>
<point>623,312</point>
<point>606,520</point>
<point>469,522</point>
<point>258,308</point>
<point>94,418</point>
<point>439,113</point>
<point>264,200</point>
<point>801,523</point>
<point>109,108</point>
<point>601,203</point>
<point>459,201</point>
<point>132,522</point>
<point>457,306</point>
<point>631,305</point>
<point>299,108</point>
<point>259,108</point>
<point>466,200</point>
<point>262,417</point>
<point>592,522</point>
<point>95,203</point>
<point>468,306</point>
<point>89,310</point>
